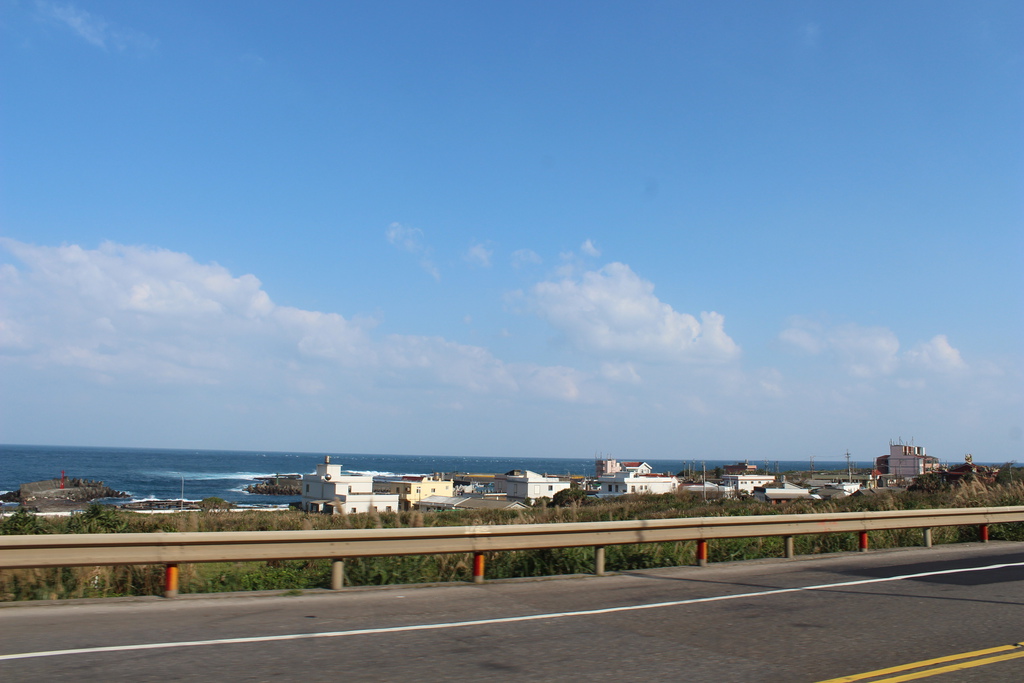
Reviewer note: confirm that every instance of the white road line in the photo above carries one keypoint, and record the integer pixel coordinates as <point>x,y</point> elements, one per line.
<point>486,622</point>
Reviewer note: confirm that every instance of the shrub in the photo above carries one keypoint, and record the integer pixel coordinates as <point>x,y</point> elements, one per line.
<point>22,522</point>
<point>98,519</point>
<point>215,503</point>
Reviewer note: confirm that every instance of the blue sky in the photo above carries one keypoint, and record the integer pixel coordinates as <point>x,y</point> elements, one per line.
<point>656,230</point>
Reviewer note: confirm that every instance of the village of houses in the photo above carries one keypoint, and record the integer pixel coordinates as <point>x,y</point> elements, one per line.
<point>332,490</point>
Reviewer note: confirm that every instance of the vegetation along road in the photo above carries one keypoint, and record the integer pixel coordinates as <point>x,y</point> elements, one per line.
<point>807,619</point>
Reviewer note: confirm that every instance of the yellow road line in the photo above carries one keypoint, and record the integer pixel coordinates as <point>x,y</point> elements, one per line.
<point>926,662</point>
<point>954,667</point>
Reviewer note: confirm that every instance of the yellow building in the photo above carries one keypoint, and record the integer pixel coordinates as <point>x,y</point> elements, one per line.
<point>412,489</point>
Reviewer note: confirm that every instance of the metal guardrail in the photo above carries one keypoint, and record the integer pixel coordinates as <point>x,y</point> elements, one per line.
<point>171,549</point>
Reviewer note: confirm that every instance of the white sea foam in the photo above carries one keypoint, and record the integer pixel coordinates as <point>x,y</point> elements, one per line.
<point>208,476</point>
<point>151,497</point>
<point>375,473</point>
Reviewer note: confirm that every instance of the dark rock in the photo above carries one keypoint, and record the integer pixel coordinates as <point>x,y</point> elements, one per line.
<point>49,491</point>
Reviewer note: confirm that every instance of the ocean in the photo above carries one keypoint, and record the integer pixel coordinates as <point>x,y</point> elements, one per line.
<point>161,474</point>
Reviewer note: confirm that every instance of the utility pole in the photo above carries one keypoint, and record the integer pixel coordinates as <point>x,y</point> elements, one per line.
<point>849,470</point>
<point>704,479</point>
<point>812,467</point>
<point>181,503</point>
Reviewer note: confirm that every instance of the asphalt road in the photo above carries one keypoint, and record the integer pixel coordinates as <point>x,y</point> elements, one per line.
<point>807,619</point>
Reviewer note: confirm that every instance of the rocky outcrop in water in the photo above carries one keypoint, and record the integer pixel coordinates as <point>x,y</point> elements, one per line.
<point>75,490</point>
<point>283,488</point>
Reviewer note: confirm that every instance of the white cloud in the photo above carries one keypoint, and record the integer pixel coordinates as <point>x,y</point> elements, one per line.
<point>135,344</point>
<point>803,339</point>
<point>93,29</point>
<point>770,382</point>
<point>429,360</point>
<point>867,352</point>
<point>411,240</point>
<point>479,255</point>
<point>524,257</point>
<point>613,311</point>
<point>89,28</point>
<point>139,315</point>
<point>561,383</point>
<point>589,249</point>
<point>936,355</point>
<point>620,372</point>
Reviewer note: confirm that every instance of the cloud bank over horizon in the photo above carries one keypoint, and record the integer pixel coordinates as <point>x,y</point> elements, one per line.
<point>129,318</point>
<point>134,313</point>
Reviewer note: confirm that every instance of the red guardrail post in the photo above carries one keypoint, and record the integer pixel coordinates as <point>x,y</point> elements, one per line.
<point>702,553</point>
<point>171,581</point>
<point>983,533</point>
<point>478,567</point>
<point>863,541</point>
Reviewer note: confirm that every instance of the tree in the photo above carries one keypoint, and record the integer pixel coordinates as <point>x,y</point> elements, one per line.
<point>717,474</point>
<point>570,496</point>
<point>932,482</point>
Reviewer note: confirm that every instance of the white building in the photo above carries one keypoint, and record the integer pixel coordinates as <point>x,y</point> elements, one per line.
<point>905,461</point>
<point>637,467</point>
<point>709,490</point>
<point>523,484</point>
<point>782,492</point>
<point>331,490</point>
<point>412,488</point>
<point>746,482</point>
<point>635,477</point>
